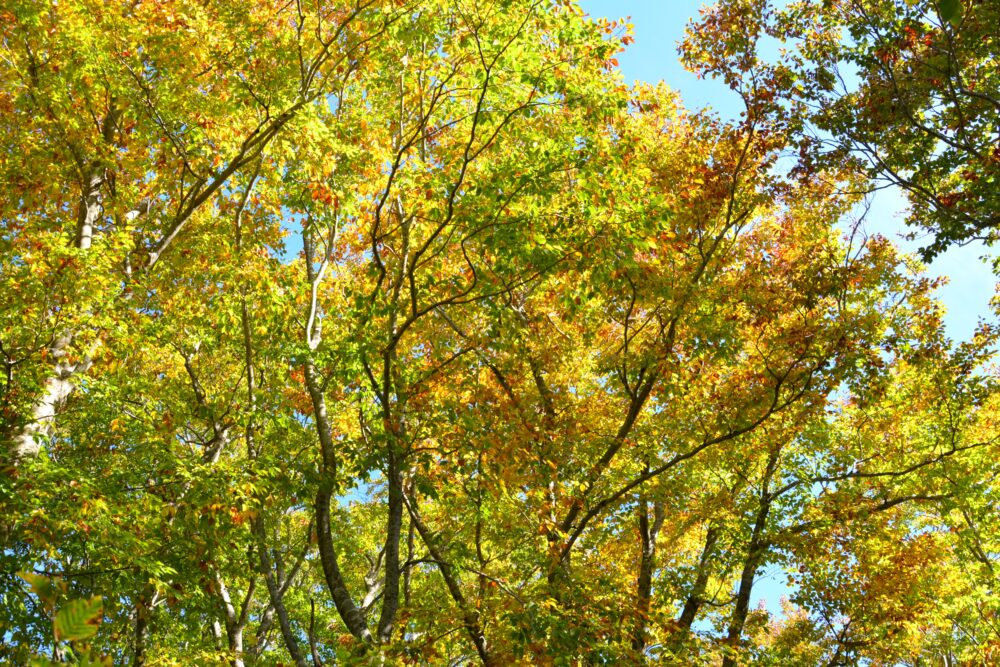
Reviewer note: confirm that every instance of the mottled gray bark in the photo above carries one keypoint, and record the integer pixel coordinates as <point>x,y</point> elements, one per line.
<point>27,441</point>
<point>394,523</point>
<point>348,611</point>
<point>143,611</point>
<point>342,600</point>
<point>235,622</point>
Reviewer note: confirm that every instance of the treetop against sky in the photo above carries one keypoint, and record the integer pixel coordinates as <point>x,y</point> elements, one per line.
<point>659,27</point>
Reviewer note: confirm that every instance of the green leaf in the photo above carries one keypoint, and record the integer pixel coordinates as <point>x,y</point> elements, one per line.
<point>40,586</point>
<point>89,659</point>
<point>78,619</point>
<point>47,589</point>
<point>950,10</point>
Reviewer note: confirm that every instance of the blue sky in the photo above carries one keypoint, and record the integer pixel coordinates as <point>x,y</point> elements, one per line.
<point>659,25</point>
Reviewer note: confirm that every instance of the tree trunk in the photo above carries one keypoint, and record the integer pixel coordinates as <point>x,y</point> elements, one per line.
<point>57,388</point>
<point>26,442</point>
<point>143,611</point>
<point>390,599</point>
<point>234,628</point>
<point>755,550</point>
<point>696,596</point>
<point>276,595</point>
<point>348,611</point>
<point>470,618</point>
<point>648,532</point>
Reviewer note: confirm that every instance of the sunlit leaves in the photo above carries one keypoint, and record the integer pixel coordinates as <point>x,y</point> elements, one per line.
<point>78,619</point>
<point>571,362</point>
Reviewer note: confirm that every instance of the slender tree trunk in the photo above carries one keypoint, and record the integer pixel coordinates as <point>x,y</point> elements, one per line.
<point>470,617</point>
<point>408,569</point>
<point>234,628</point>
<point>697,594</point>
<point>740,612</point>
<point>261,638</point>
<point>26,441</point>
<point>143,611</point>
<point>348,611</point>
<point>90,207</point>
<point>217,634</point>
<point>648,532</point>
<point>755,551</point>
<point>390,599</point>
<point>276,595</point>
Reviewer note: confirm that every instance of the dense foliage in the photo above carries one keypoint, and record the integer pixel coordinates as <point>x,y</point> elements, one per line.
<point>402,332</point>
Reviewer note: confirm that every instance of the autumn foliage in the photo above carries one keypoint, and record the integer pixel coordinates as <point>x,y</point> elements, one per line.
<point>402,332</point>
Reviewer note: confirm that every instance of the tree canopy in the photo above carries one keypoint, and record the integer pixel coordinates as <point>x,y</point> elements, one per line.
<point>907,89</point>
<point>403,332</point>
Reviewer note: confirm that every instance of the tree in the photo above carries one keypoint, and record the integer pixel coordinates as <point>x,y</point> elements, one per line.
<point>909,90</point>
<point>479,357</point>
<point>129,154</point>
